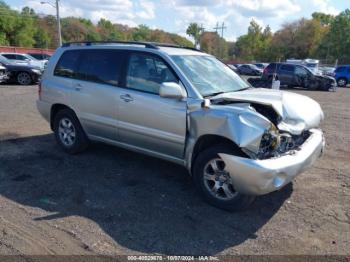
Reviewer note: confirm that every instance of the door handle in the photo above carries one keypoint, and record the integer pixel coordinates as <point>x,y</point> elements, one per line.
<point>126,98</point>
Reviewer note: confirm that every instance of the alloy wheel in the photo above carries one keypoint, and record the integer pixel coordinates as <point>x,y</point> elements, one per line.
<point>24,78</point>
<point>218,181</point>
<point>66,132</point>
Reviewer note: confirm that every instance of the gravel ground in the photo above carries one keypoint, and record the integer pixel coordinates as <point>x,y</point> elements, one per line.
<point>111,201</point>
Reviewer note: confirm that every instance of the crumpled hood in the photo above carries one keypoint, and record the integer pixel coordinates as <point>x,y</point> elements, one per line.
<point>297,112</point>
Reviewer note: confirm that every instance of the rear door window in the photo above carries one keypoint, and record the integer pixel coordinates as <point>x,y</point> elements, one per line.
<point>66,66</point>
<point>288,68</point>
<point>21,57</point>
<point>101,66</point>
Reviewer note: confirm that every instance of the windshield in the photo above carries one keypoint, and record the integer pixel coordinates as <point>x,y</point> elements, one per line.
<point>31,57</point>
<point>311,65</point>
<point>208,75</point>
<point>4,60</point>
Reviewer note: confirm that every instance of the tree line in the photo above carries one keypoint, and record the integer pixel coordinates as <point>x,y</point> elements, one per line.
<point>28,29</point>
<point>325,37</point>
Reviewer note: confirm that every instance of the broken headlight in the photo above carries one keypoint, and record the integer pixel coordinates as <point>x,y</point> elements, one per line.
<point>269,143</point>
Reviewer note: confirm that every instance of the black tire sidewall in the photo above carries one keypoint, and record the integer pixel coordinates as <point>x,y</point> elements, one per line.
<point>80,142</point>
<point>240,202</point>
<point>346,82</point>
<point>31,80</point>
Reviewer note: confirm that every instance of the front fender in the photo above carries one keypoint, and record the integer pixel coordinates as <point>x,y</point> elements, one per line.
<point>238,123</point>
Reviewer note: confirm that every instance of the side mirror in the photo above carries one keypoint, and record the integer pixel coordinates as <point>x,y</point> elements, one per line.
<point>171,90</point>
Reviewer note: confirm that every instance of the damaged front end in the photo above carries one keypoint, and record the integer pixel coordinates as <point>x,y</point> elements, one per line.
<point>278,132</point>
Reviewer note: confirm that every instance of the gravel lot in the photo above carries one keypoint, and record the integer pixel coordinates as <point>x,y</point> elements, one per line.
<point>111,201</point>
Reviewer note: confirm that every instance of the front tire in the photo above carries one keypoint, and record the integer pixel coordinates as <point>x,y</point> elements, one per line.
<point>342,82</point>
<point>24,78</point>
<point>213,181</point>
<point>69,133</point>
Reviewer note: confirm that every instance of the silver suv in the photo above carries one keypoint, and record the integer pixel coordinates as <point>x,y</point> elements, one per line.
<point>185,106</point>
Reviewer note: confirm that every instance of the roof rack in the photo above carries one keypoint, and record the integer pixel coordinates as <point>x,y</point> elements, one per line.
<point>152,45</point>
<point>175,46</point>
<point>89,43</point>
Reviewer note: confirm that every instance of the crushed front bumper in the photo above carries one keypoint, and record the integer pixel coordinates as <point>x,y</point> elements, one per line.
<point>258,177</point>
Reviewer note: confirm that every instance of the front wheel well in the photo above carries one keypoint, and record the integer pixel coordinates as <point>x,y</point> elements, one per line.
<point>54,110</point>
<point>206,141</point>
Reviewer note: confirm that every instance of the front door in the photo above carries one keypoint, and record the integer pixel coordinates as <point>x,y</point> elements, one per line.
<point>147,120</point>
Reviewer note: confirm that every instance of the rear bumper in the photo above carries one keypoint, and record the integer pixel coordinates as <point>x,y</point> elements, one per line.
<point>258,177</point>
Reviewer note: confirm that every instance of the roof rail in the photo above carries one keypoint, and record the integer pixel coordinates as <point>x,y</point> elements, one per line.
<point>89,43</point>
<point>152,45</point>
<point>175,46</point>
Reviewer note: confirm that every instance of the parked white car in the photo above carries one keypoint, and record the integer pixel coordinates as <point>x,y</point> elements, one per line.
<point>25,59</point>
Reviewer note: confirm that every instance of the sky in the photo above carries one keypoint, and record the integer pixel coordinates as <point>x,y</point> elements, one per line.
<point>175,15</point>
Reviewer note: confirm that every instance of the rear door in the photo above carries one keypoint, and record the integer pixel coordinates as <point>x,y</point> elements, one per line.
<point>95,92</point>
<point>286,74</point>
<point>147,120</point>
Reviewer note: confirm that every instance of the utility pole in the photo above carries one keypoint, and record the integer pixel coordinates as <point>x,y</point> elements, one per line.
<point>222,28</point>
<point>59,36</point>
<point>58,24</point>
<point>201,31</point>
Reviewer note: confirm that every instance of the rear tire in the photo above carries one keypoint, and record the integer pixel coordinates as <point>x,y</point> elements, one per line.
<point>204,176</point>
<point>69,133</point>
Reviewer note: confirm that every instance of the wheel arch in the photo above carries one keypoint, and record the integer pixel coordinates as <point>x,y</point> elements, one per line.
<point>55,108</point>
<point>206,141</point>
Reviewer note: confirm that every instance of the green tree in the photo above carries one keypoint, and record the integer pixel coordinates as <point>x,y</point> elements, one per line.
<point>195,31</point>
<point>336,44</point>
<point>108,31</point>
<point>8,21</point>
<point>41,38</point>
<point>255,44</point>
<point>141,33</point>
<point>325,19</point>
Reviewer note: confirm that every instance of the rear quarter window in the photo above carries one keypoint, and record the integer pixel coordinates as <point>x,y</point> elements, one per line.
<point>67,64</point>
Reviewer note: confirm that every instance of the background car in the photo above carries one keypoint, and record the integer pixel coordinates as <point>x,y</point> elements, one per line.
<point>327,70</point>
<point>261,65</point>
<point>24,59</point>
<point>21,74</point>
<point>249,69</point>
<point>296,75</point>
<point>233,67</point>
<point>3,74</point>
<point>40,56</point>
<point>342,75</point>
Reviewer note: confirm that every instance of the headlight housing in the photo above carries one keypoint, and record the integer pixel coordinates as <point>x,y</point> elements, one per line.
<point>270,142</point>
<point>36,71</point>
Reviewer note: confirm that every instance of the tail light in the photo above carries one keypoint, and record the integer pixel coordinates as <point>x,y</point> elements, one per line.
<point>39,90</point>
